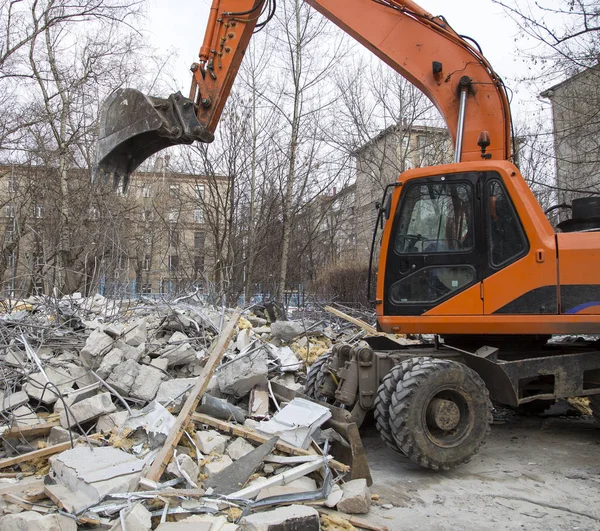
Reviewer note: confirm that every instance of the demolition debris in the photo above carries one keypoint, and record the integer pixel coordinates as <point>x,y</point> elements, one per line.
<point>158,415</point>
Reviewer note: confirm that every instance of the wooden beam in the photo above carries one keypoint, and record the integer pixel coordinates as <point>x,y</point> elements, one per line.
<point>164,455</point>
<point>36,454</point>
<point>37,430</point>
<point>239,431</point>
<point>358,322</point>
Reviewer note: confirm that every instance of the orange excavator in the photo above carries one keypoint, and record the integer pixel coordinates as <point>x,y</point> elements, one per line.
<point>467,253</point>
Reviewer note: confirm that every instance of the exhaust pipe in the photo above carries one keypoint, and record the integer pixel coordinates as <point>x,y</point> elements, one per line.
<point>134,126</point>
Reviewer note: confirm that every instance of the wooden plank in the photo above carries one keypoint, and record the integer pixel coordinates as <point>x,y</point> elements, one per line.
<point>37,430</point>
<point>239,431</point>
<point>218,350</point>
<point>36,454</point>
<point>354,520</point>
<point>26,505</point>
<point>358,322</point>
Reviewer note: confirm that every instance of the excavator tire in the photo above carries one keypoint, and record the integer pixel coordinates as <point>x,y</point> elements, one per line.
<point>384,398</point>
<point>312,377</point>
<point>595,406</point>
<point>440,414</point>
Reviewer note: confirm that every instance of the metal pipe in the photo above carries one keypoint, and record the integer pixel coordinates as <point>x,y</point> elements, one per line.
<point>462,109</point>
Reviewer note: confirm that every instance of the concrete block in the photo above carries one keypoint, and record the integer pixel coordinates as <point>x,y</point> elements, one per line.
<point>239,448</point>
<point>287,330</point>
<point>33,521</point>
<point>147,383</point>
<point>87,409</point>
<point>160,363</point>
<point>256,321</point>
<point>170,389</point>
<point>110,361</point>
<point>187,467</point>
<point>10,401</point>
<point>97,345</point>
<point>244,339</point>
<point>131,353</point>
<point>81,375</point>
<point>177,338</point>
<point>59,435</point>
<point>303,484</point>
<point>24,416</point>
<point>136,333</point>
<point>113,420</point>
<point>179,354</point>
<point>334,497</point>
<point>291,518</point>
<point>123,376</point>
<point>356,498</point>
<point>184,526</point>
<point>210,441</point>
<point>114,330</point>
<point>36,382</point>
<point>85,476</point>
<point>138,518</point>
<point>239,377</point>
<point>217,522</point>
<point>216,465</point>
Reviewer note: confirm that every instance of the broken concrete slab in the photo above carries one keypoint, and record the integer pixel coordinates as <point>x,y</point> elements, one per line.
<point>88,475</point>
<point>155,420</point>
<point>160,363</point>
<point>136,333</point>
<point>334,497</point>
<point>244,338</point>
<point>291,518</point>
<point>37,389</point>
<point>287,330</point>
<point>356,498</point>
<point>113,420</point>
<point>183,466</point>
<point>34,521</point>
<point>138,518</point>
<point>240,376</point>
<point>177,338</point>
<point>184,526</point>
<point>147,382</point>
<point>10,401</point>
<point>217,465</point>
<point>114,330</point>
<point>123,376</point>
<point>179,354</point>
<point>114,358</point>
<point>97,345</point>
<point>86,410</point>
<point>211,441</point>
<point>59,435</point>
<point>24,416</point>
<point>239,448</point>
<point>173,393</point>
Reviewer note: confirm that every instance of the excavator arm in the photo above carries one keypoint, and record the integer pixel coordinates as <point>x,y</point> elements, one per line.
<point>423,48</point>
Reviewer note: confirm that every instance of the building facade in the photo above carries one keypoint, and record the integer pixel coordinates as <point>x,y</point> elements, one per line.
<point>576,127</point>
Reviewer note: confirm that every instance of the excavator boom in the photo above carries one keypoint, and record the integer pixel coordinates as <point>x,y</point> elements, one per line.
<point>423,48</point>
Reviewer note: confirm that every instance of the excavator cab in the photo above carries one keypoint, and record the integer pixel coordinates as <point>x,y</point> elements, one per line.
<point>134,126</point>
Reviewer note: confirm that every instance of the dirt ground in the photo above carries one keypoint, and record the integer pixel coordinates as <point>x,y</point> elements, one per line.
<point>533,473</point>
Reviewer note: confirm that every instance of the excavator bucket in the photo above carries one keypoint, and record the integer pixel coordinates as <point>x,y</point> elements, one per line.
<point>134,126</point>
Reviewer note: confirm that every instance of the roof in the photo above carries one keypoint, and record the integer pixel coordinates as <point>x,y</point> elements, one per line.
<point>396,128</point>
<point>549,92</point>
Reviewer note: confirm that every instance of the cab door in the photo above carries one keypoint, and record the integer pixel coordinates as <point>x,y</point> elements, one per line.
<point>433,250</point>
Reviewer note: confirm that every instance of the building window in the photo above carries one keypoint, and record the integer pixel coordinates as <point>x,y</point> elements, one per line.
<point>147,288</point>
<point>38,211</point>
<point>173,216</point>
<point>174,238</point>
<point>147,239</point>
<point>13,183</point>
<point>198,215</point>
<point>9,234</point>
<point>199,240</point>
<point>174,191</point>
<point>146,190</point>
<point>9,210</point>
<point>173,262</point>
<point>11,260</point>
<point>147,215</point>
<point>146,263</point>
<point>200,192</point>
<point>199,263</point>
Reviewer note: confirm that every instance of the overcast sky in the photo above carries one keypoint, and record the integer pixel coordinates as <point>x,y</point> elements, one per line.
<point>179,25</point>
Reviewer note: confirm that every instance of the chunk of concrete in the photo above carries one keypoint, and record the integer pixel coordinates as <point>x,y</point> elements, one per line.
<point>210,441</point>
<point>160,363</point>
<point>239,377</point>
<point>112,420</point>
<point>97,345</point>
<point>114,330</point>
<point>183,466</point>
<point>86,410</point>
<point>136,333</point>
<point>131,353</point>
<point>243,339</point>
<point>59,435</point>
<point>184,526</point>
<point>111,360</point>
<point>37,389</point>
<point>147,382</point>
<point>239,448</point>
<point>356,498</point>
<point>287,330</point>
<point>10,401</point>
<point>291,518</point>
<point>216,465</point>
<point>24,416</point>
<point>334,497</point>
<point>173,393</point>
<point>138,518</point>
<point>81,375</point>
<point>33,521</point>
<point>85,476</point>
<point>123,376</point>
<point>177,338</point>
<point>179,354</point>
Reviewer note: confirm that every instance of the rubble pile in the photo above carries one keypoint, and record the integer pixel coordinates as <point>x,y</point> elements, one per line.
<point>155,415</point>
